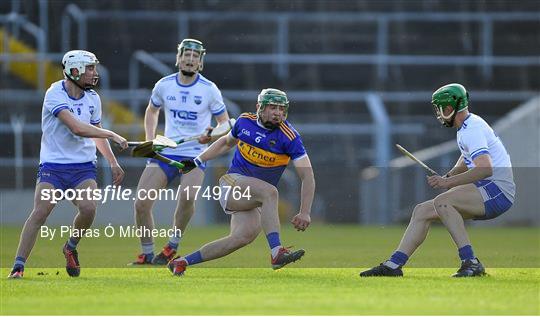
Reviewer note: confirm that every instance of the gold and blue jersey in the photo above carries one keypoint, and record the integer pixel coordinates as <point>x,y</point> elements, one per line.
<point>263,153</point>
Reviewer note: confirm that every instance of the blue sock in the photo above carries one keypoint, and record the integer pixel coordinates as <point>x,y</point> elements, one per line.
<point>72,243</point>
<point>466,253</point>
<point>399,258</point>
<point>19,262</point>
<point>273,239</point>
<point>194,258</point>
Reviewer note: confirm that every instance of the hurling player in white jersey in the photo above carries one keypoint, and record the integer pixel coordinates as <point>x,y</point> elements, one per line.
<point>71,125</point>
<point>480,186</point>
<point>189,101</point>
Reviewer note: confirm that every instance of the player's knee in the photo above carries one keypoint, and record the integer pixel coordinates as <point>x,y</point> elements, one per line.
<point>142,206</point>
<point>440,204</point>
<point>417,212</point>
<point>87,209</point>
<point>423,211</point>
<point>187,197</point>
<point>271,193</point>
<point>38,217</point>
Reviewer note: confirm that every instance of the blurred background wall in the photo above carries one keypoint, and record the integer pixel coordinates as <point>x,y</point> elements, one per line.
<point>359,75</point>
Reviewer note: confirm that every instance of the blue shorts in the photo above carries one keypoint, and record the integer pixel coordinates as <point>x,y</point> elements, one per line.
<point>495,202</point>
<point>170,171</point>
<point>65,176</point>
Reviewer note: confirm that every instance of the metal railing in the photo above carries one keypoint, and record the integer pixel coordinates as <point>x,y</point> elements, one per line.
<point>41,59</point>
<point>14,22</point>
<point>381,129</point>
<point>281,58</point>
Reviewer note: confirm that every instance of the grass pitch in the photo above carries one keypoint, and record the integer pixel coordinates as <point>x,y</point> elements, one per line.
<point>325,282</point>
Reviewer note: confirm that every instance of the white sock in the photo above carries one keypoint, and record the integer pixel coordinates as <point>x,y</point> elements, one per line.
<point>391,264</point>
<point>275,251</point>
<point>174,240</point>
<point>147,248</point>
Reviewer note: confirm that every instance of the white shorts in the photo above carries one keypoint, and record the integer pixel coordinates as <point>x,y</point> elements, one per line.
<point>228,180</point>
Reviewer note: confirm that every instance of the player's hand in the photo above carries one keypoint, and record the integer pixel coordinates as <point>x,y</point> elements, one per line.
<point>438,182</point>
<point>206,137</point>
<point>117,174</point>
<point>301,221</point>
<point>188,166</point>
<point>121,141</point>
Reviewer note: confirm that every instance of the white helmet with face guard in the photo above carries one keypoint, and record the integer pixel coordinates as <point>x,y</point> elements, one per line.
<point>79,59</point>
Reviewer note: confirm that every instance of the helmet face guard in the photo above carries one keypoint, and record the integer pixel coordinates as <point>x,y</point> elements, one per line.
<point>193,46</point>
<point>451,95</point>
<point>79,59</point>
<point>447,121</point>
<point>271,96</point>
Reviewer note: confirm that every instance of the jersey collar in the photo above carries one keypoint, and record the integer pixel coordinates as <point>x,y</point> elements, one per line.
<point>64,87</point>
<point>180,84</point>
<point>463,124</point>
<point>261,125</point>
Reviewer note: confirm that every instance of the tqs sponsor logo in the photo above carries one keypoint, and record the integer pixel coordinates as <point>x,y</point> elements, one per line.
<point>185,115</point>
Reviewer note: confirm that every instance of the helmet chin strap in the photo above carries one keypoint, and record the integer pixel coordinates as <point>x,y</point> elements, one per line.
<point>270,125</point>
<point>191,58</point>
<point>86,88</point>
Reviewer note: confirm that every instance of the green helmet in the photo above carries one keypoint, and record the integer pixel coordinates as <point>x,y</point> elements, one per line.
<point>195,45</point>
<point>453,95</point>
<point>272,96</point>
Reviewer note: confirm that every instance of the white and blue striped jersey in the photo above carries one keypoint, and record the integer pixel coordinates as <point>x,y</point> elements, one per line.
<point>188,110</point>
<point>58,143</point>
<point>475,138</point>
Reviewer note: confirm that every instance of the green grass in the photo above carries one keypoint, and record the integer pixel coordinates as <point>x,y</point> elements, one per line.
<point>325,282</point>
<point>228,291</point>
